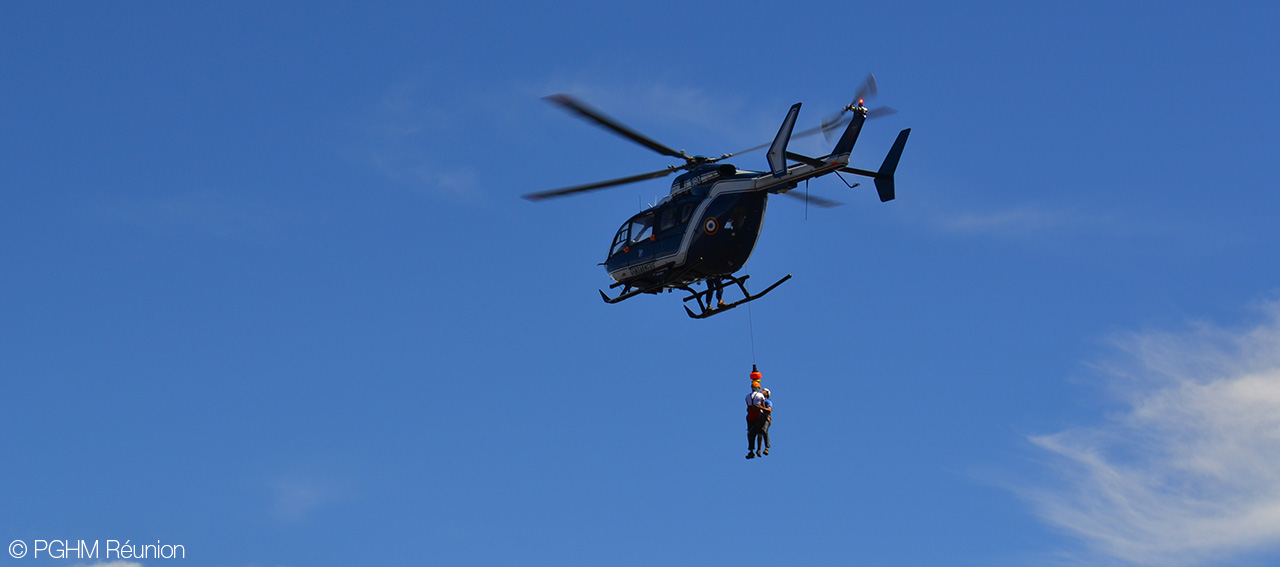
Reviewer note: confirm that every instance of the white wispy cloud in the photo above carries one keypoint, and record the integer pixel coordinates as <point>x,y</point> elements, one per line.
<point>1022,219</point>
<point>1029,219</point>
<point>219,214</point>
<point>296,498</point>
<point>1189,472</point>
<point>417,170</point>
<point>433,136</point>
<point>408,136</point>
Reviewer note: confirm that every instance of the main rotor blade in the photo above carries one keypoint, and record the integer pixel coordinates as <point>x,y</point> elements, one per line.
<point>801,134</point>
<point>600,118</point>
<point>827,126</point>
<point>598,185</point>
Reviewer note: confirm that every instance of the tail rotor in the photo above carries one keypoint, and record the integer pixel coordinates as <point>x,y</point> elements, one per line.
<point>867,90</point>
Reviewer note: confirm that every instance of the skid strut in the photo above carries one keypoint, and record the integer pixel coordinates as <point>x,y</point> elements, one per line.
<point>707,308</point>
<point>629,291</point>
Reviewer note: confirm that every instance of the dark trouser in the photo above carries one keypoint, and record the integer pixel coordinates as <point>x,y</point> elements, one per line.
<point>756,429</point>
<point>764,432</point>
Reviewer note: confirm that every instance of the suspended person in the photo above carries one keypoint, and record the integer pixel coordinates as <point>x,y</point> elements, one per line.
<point>766,408</point>
<point>755,414</point>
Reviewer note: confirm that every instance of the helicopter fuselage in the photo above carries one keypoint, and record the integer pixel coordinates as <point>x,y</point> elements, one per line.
<point>705,230</point>
<point>699,231</point>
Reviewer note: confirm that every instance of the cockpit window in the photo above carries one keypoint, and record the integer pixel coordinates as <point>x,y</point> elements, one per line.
<point>632,231</point>
<point>641,227</point>
<point>621,239</point>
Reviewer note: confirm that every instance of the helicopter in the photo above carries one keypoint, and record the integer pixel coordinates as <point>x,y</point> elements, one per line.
<point>705,229</point>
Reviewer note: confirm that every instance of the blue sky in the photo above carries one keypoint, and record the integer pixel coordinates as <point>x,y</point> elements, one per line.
<point>270,291</point>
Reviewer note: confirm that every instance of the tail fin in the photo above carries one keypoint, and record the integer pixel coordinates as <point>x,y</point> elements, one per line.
<point>845,145</point>
<point>778,150</point>
<point>884,177</point>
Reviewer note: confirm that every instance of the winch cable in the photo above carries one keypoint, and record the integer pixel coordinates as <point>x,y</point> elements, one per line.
<point>751,326</point>
<point>806,199</point>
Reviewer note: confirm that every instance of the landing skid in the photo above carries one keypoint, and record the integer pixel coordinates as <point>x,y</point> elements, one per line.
<point>629,292</point>
<point>707,308</point>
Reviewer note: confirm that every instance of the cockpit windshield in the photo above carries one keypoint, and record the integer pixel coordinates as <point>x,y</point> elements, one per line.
<point>641,227</point>
<point>638,228</point>
<point>620,241</point>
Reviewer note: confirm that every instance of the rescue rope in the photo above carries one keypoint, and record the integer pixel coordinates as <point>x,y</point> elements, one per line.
<point>751,325</point>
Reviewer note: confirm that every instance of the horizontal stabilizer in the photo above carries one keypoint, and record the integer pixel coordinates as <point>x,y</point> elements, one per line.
<point>813,162</point>
<point>884,177</point>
